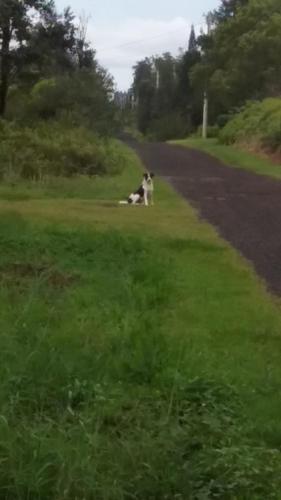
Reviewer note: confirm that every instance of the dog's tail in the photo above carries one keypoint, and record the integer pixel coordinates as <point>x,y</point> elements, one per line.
<point>123,202</point>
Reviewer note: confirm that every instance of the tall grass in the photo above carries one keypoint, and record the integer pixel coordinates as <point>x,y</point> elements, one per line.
<point>51,149</point>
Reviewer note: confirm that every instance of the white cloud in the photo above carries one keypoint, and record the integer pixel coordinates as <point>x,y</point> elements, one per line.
<point>120,46</point>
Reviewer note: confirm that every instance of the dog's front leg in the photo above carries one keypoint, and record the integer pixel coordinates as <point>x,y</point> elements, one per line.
<point>145,199</point>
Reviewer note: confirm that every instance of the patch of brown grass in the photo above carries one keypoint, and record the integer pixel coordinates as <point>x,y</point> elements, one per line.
<point>18,273</point>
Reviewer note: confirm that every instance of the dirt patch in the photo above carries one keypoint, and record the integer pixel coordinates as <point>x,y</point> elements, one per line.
<point>244,207</point>
<point>18,273</point>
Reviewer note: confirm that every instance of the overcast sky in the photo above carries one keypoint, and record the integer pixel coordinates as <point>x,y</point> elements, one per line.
<point>125,31</point>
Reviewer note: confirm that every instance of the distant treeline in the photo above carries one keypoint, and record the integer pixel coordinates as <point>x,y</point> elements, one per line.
<point>238,61</point>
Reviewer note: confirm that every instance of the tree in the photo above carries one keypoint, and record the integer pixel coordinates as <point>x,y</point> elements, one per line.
<point>85,54</point>
<point>241,58</point>
<point>166,66</point>
<point>51,69</point>
<point>238,60</point>
<point>163,94</point>
<point>82,98</point>
<point>144,91</point>
<point>188,100</point>
<point>51,47</point>
<point>228,9</point>
<point>15,21</point>
<point>192,44</point>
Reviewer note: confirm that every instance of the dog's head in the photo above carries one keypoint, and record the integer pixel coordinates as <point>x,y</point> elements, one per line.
<point>148,177</point>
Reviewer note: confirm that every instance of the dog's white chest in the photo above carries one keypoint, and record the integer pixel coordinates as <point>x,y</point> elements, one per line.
<point>148,186</point>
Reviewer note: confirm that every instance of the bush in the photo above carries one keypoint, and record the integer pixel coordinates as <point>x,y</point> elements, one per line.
<point>53,150</point>
<point>222,120</point>
<point>212,131</point>
<point>258,123</point>
<point>79,100</point>
<point>171,126</point>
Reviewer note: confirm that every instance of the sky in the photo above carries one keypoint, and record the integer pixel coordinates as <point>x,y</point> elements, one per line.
<point>125,31</point>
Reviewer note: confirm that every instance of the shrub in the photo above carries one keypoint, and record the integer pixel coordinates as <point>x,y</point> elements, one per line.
<point>53,150</point>
<point>46,98</point>
<point>212,132</point>
<point>258,123</point>
<point>79,100</point>
<point>170,126</point>
<point>222,120</point>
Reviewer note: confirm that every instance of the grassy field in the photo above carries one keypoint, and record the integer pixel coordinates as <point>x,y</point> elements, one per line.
<point>233,157</point>
<point>140,355</point>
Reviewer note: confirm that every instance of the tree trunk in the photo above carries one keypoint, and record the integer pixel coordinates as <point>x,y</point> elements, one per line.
<point>5,68</point>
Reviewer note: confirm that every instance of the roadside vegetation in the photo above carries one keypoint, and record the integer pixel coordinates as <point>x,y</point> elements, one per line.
<point>250,140</point>
<point>257,126</point>
<point>54,149</point>
<point>234,155</point>
<point>140,356</point>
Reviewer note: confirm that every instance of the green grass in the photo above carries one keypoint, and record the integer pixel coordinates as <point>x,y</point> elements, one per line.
<point>233,156</point>
<point>140,355</point>
<point>79,187</point>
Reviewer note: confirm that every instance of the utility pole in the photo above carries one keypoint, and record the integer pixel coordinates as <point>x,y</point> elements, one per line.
<point>174,72</point>
<point>157,79</point>
<point>206,96</point>
<point>205,115</point>
<point>156,75</point>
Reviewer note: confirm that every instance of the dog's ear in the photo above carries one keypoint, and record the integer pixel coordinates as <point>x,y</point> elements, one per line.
<point>152,175</point>
<point>145,176</point>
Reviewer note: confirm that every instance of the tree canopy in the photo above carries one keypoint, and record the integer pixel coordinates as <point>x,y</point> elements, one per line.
<point>48,68</point>
<point>242,57</point>
<point>15,25</point>
<point>239,60</point>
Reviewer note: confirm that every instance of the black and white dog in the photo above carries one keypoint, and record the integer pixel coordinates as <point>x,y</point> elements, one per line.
<point>143,195</point>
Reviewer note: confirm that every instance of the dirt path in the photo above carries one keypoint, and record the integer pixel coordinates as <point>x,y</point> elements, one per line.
<point>244,207</point>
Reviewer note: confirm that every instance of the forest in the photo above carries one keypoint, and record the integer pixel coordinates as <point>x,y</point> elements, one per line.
<point>237,63</point>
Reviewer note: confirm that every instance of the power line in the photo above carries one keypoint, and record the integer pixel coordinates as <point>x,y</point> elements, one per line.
<point>143,40</point>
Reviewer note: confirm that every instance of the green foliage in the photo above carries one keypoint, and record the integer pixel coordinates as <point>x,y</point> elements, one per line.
<point>165,105</point>
<point>15,28</point>
<point>144,90</point>
<point>52,67</point>
<point>192,44</point>
<point>54,150</point>
<point>228,9</point>
<point>258,123</point>
<point>212,132</point>
<point>103,187</point>
<point>51,47</point>
<point>223,119</point>
<point>80,99</point>
<point>170,126</point>
<point>241,55</point>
